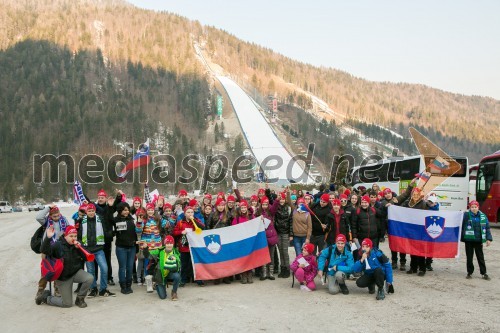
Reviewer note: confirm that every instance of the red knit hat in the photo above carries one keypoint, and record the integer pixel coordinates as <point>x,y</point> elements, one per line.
<point>347,192</point>
<point>140,211</point>
<point>343,197</point>
<point>261,191</point>
<point>182,193</point>
<point>188,207</point>
<point>243,203</point>
<point>309,247</point>
<point>381,194</point>
<point>192,202</point>
<point>365,198</point>
<point>167,205</point>
<point>168,240</point>
<point>387,191</point>
<point>231,198</point>
<point>254,198</point>
<point>341,238</point>
<point>264,200</point>
<point>282,196</point>
<point>474,203</point>
<point>336,202</point>
<point>83,207</point>
<point>367,242</point>
<point>208,196</point>
<point>137,199</point>
<point>90,206</point>
<point>220,202</point>
<point>150,205</point>
<point>102,193</point>
<point>70,229</point>
<point>325,197</point>
<point>221,195</point>
<point>53,210</point>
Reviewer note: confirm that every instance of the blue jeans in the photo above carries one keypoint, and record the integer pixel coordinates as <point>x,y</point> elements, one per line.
<point>100,258</point>
<point>126,259</point>
<point>298,242</point>
<point>161,288</point>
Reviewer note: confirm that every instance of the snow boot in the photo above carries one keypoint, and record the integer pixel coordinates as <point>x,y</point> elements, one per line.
<point>123,288</point>
<point>42,298</point>
<point>128,286</point>
<point>80,302</point>
<point>286,273</point>
<point>263,273</point>
<point>149,283</point>
<point>271,273</point>
<point>380,294</point>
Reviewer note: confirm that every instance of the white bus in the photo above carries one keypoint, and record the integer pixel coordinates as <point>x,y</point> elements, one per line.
<point>397,172</point>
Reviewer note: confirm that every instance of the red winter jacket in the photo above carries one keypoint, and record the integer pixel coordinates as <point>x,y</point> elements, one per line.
<point>181,239</point>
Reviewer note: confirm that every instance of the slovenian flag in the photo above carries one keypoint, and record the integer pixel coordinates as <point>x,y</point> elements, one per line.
<point>425,176</point>
<point>439,164</point>
<point>223,252</point>
<point>141,158</point>
<point>425,233</point>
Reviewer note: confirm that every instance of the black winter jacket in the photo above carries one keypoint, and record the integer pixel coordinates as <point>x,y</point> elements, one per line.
<point>283,219</point>
<point>73,257</point>
<point>366,223</point>
<point>321,213</point>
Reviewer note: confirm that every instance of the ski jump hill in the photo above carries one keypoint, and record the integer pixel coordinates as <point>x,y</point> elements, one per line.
<point>265,145</point>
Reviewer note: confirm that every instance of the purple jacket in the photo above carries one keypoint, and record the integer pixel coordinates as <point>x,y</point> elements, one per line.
<point>310,271</point>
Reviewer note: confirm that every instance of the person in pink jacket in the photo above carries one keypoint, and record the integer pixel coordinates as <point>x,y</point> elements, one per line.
<point>305,271</point>
<point>243,214</point>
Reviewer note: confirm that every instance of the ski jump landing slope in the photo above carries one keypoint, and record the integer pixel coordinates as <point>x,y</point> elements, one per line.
<point>261,138</point>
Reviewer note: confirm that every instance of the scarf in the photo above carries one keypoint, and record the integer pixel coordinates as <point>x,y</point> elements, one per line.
<point>62,223</point>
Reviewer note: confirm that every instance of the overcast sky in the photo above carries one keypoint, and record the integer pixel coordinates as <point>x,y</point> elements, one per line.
<point>453,45</point>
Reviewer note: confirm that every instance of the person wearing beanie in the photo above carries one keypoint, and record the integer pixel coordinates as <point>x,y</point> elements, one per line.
<point>320,211</point>
<point>268,212</point>
<point>305,268</point>
<point>337,222</point>
<point>301,230</point>
<point>168,220</point>
<point>182,227</point>
<point>242,215</point>
<point>126,238</point>
<point>167,268</point>
<point>340,263</point>
<point>51,216</point>
<point>102,206</point>
<point>136,204</point>
<point>283,225</point>
<point>365,222</point>
<point>476,232</point>
<point>377,269</point>
<point>91,236</point>
<point>64,248</point>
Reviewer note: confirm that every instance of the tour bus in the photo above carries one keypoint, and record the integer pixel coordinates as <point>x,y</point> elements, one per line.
<point>472,182</point>
<point>488,186</point>
<point>396,173</point>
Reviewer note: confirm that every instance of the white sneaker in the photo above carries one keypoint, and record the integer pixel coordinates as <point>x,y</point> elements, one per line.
<point>303,287</point>
<point>149,283</point>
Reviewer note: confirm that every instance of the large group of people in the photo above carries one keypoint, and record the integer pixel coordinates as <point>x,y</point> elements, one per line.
<point>335,234</point>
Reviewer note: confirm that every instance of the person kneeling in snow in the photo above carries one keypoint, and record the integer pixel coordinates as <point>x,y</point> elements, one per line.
<point>376,267</point>
<point>340,264</point>
<point>305,268</point>
<point>72,272</point>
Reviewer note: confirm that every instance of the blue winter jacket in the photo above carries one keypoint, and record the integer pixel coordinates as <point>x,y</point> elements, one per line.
<point>343,261</point>
<point>197,214</point>
<point>376,259</point>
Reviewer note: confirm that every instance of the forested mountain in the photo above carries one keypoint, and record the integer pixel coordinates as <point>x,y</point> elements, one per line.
<point>77,74</point>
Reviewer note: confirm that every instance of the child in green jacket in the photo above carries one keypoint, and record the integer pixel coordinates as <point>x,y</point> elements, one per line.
<point>167,268</point>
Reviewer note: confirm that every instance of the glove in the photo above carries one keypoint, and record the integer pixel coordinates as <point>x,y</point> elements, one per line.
<point>390,290</point>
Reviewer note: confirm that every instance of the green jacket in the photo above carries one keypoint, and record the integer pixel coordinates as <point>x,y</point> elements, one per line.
<point>159,256</point>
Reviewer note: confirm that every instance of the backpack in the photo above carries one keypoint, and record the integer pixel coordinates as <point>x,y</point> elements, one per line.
<point>36,240</point>
<point>51,268</point>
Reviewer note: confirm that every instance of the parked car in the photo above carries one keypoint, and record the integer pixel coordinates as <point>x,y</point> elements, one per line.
<point>35,206</point>
<point>17,209</point>
<point>5,207</point>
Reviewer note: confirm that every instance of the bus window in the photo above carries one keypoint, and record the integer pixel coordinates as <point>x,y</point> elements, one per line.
<point>485,177</point>
<point>407,169</point>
